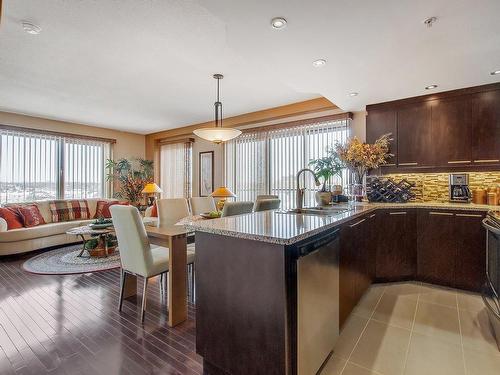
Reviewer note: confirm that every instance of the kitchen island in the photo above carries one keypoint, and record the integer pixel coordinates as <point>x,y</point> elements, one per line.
<point>267,281</point>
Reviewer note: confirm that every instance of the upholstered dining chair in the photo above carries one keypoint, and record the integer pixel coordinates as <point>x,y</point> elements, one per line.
<point>237,208</point>
<point>266,196</point>
<point>137,255</point>
<point>266,204</point>
<point>200,205</point>
<point>171,210</point>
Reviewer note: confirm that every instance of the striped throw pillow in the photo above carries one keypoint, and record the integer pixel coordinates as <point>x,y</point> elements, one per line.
<point>68,210</point>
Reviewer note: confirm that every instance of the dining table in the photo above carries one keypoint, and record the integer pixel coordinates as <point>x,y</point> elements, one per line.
<point>173,237</point>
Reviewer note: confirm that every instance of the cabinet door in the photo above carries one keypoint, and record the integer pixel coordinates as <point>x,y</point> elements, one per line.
<point>414,136</point>
<point>380,122</point>
<point>486,128</point>
<point>396,249</point>
<point>452,131</point>
<point>436,247</point>
<point>470,265</point>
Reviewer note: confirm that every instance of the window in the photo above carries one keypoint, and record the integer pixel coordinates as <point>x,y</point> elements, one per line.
<point>36,166</point>
<point>266,162</point>
<point>175,170</point>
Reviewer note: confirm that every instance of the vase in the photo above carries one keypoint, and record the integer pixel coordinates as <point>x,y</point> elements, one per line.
<point>323,198</point>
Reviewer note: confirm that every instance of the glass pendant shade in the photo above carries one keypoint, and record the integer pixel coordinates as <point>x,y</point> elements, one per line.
<point>217,135</point>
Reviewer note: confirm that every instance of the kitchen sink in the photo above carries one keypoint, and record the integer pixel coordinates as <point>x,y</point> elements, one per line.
<point>324,211</point>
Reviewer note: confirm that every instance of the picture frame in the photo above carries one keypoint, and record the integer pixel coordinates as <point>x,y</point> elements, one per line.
<point>205,173</point>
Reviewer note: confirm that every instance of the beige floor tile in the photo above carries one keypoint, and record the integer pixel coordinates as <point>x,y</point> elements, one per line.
<point>407,289</point>
<point>481,363</point>
<point>438,321</point>
<point>351,331</point>
<point>366,305</point>
<point>382,348</point>
<point>396,310</point>
<point>353,369</point>
<point>470,301</point>
<point>441,296</point>
<point>431,356</point>
<point>334,366</point>
<point>476,331</point>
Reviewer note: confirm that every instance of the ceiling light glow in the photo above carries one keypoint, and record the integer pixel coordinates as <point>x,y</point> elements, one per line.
<point>319,63</point>
<point>278,23</point>
<point>430,87</point>
<point>495,72</point>
<point>353,94</point>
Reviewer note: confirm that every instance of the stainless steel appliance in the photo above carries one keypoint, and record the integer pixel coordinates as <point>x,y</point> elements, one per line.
<point>317,301</point>
<point>491,290</point>
<point>459,187</point>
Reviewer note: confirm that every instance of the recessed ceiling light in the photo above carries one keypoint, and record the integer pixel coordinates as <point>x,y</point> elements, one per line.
<point>430,87</point>
<point>278,23</point>
<point>430,21</point>
<point>495,72</point>
<point>319,63</point>
<point>353,94</point>
<point>31,28</point>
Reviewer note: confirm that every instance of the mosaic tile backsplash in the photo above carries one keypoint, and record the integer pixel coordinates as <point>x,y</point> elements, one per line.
<point>433,187</point>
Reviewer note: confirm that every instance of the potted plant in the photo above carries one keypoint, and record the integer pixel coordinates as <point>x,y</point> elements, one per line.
<point>325,168</point>
<point>131,175</point>
<point>362,157</point>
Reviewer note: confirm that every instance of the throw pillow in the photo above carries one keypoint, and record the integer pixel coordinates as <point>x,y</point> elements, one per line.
<point>31,215</point>
<point>102,209</point>
<point>12,217</point>
<point>67,210</point>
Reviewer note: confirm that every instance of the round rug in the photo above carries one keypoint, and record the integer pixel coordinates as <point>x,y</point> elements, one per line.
<point>64,261</point>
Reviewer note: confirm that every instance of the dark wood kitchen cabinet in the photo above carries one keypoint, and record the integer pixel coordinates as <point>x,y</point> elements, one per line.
<point>451,248</point>
<point>380,122</point>
<point>396,245</point>
<point>414,136</point>
<point>452,131</point>
<point>486,128</point>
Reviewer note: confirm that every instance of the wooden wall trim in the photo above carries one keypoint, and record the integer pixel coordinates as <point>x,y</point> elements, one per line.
<point>436,96</point>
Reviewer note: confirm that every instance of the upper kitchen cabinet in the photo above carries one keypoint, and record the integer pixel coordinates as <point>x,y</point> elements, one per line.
<point>414,135</point>
<point>452,131</point>
<point>380,122</point>
<point>486,128</point>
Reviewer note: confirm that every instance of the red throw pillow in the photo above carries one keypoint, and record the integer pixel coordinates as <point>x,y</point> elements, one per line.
<point>154,210</point>
<point>102,209</point>
<point>12,217</point>
<point>31,215</point>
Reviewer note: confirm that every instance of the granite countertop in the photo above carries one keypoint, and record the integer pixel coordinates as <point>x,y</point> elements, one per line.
<point>284,228</point>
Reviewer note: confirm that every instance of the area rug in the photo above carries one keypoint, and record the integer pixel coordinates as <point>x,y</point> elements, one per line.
<point>64,261</point>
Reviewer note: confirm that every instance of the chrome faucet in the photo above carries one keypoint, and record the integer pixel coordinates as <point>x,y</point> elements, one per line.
<point>300,192</point>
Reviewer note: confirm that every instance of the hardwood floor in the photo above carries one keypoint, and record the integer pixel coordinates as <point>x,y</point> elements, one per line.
<point>71,325</point>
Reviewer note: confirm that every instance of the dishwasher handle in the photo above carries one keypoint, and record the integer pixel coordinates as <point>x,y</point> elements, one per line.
<point>316,243</point>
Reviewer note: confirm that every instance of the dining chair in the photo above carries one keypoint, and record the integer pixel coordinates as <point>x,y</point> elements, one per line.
<point>266,204</point>
<point>137,256</point>
<point>201,205</point>
<point>171,210</point>
<point>266,196</point>
<point>237,208</point>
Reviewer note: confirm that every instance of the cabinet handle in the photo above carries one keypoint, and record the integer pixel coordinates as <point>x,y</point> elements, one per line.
<point>459,162</point>
<point>388,165</point>
<point>441,213</point>
<point>398,213</point>
<point>487,161</point>
<point>469,215</point>
<point>408,163</point>
<point>372,216</point>
<point>359,222</point>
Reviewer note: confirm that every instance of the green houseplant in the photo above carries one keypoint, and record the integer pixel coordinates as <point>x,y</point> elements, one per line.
<point>131,175</point>
<point>325,168</point>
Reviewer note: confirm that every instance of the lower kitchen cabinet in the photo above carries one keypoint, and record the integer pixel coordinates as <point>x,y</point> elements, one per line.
<point>451,248</point>
<point>396,245</point>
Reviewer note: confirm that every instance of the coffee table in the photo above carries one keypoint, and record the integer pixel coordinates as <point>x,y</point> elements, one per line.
<point>88,231</point>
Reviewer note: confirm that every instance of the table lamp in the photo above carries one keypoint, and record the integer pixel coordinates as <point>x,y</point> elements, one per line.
<point>151,190</point>
<point>222,193</point>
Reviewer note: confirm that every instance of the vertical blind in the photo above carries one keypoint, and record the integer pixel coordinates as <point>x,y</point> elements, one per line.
<point>266,162</point>
<point>36,166</point>
<point>175,170</point>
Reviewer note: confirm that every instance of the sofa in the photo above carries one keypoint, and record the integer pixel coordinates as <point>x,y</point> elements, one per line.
<point>23,240</point>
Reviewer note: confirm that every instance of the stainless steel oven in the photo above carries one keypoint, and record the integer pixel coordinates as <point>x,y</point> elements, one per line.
<point>492,288</point>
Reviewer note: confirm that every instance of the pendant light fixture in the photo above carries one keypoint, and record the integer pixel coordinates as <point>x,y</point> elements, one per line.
<point>217,134</point>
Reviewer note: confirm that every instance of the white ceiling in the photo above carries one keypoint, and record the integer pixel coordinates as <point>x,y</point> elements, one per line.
<point>146,65</point>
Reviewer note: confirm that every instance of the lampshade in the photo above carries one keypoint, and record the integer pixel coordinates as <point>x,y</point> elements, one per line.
<point>223,192</point>
<point>217,135</point>
<point>151,188</point>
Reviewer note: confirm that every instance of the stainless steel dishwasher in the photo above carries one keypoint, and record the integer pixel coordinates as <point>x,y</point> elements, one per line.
<point>317,301</point>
